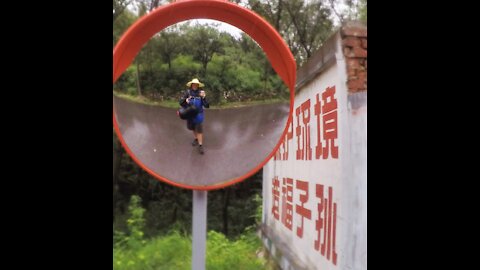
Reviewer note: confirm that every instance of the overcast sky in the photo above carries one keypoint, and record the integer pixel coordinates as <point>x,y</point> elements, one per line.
<point>234,31</point>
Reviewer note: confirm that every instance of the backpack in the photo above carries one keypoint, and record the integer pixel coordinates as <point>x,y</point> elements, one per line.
<point>187,112</point>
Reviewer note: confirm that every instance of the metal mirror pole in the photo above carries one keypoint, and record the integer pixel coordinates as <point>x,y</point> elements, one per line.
<point>199,229</point>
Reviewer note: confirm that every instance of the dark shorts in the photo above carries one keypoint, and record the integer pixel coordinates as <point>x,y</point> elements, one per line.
<point>197,127</point>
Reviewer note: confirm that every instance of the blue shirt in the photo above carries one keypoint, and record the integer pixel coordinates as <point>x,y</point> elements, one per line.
<point>196,100</point>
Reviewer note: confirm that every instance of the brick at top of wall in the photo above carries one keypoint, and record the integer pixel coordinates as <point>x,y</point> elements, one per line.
<point>354,31</point>
<point>351,42</point>
<point>354,47</point>
<point>359,52</point>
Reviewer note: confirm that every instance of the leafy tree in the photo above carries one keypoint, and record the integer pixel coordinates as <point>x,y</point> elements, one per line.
<point>121,22</point>
<point>169,45</point>
<point>311,26</point>
<point>363,11</point>
<point>119,6</point>
<point>204,42</point>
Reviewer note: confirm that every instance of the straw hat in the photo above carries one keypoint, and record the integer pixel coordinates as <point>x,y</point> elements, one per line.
<point>195,81</point>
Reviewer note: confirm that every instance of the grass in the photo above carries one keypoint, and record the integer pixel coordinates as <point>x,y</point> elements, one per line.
<point>133,251</point>
<point>239,104</point>
<point>174,251</point>
<point>174,103</point>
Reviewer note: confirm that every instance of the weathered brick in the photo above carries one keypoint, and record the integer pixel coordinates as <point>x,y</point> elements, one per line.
<point>352,42</point>
<point>359,52</point>
<point>362,61</point>
<point>364,43</point>
<point>355,31</point>
<point>348,52</point>
<point>357,85</point>
<point>362,75</point>
<point>353,63</point>
<point>351,72</point>
<point>352,78</point>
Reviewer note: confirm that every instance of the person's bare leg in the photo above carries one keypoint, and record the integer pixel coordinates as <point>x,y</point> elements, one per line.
<point>200,143</point>
<point>195,141</point>
<point>200,138</point>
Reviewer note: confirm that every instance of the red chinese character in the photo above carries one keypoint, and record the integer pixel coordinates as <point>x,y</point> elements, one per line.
<point>328,245</point>
<point>319,222</point>
<point>288,137</point>
<point>318,148</point>
<point>298,133</point>
<point>275,197</point>
<point>287,200</point>
<point>334,234</point>
<point>306,129</point>
<point>300,208</point>
<point>329,222</point>
<point>304,151</point>
<point>329,110</point>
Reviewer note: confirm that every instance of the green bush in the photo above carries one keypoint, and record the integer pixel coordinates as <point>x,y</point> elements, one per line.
<point>239,254</point>
<point>173,251</point>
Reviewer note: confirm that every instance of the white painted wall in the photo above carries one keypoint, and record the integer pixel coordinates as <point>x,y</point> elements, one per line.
<point>345,175</point>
